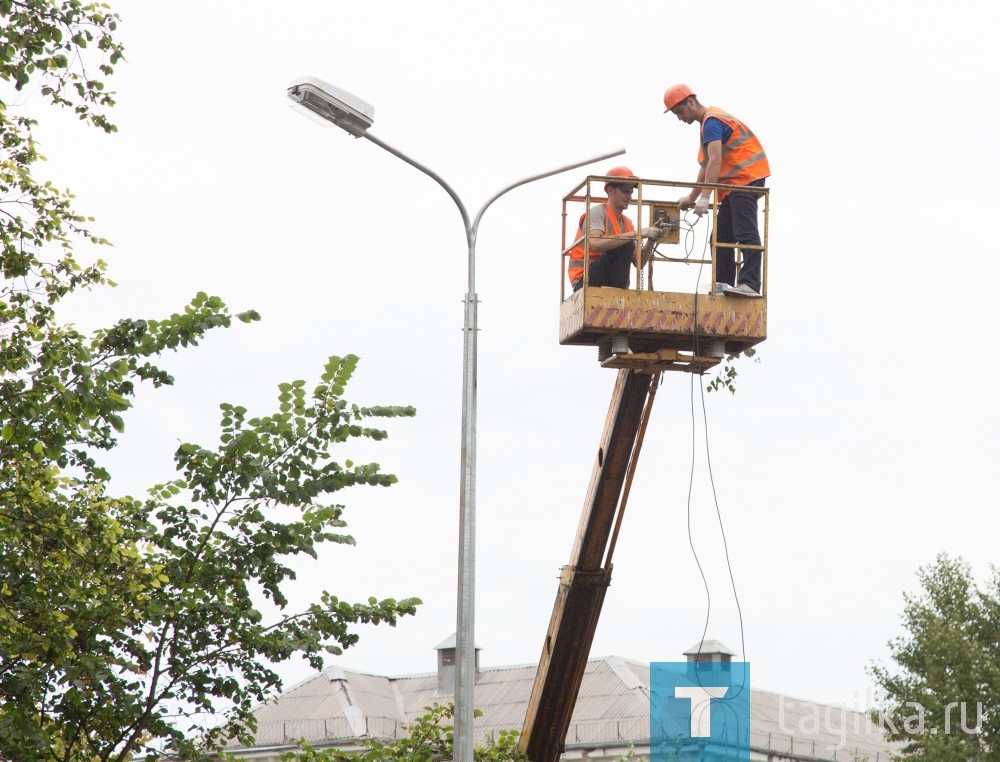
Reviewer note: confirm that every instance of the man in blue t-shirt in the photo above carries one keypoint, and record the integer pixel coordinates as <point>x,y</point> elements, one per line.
<point>729,153</point>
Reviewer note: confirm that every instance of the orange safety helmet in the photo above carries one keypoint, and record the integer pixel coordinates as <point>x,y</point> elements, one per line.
<point>622,172</point>
<point>675,94</point>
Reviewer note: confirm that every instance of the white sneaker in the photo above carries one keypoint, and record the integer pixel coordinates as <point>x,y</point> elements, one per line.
<point>720,289</point>
<point>741,290</point>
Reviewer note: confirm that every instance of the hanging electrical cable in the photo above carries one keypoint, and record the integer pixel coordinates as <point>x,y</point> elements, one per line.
<point>715,498</point>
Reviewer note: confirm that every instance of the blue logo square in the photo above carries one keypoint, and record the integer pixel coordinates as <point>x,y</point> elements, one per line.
<point>699,711</point>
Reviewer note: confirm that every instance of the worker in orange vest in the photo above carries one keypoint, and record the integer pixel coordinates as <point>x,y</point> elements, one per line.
<point>729,153</point>
<point>611,237</point>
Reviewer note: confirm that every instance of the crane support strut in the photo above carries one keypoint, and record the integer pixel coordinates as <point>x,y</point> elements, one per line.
<point>584,581</point>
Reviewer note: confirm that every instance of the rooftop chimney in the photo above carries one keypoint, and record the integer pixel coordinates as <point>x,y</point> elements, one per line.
<point>446,665</point>
<point>709,651</point>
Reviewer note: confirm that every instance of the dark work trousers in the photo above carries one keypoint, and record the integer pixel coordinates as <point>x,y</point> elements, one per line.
<point>610,269</point>
<point>737,223</point>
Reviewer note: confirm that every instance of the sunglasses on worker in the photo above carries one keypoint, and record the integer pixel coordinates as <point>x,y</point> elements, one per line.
<point>623,188</point>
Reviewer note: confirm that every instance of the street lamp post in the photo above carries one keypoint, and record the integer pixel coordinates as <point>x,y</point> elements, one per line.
<point>329,105</point>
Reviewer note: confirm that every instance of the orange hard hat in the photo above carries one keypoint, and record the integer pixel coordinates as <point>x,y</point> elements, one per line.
<point>622,172</point>
<point>675,94</point>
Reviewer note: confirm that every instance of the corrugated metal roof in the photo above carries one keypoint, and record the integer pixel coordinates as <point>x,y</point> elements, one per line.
<point>613,706</point>
<point>805,725</point>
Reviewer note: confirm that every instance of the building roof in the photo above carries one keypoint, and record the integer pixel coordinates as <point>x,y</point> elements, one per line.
<point>339,706</point>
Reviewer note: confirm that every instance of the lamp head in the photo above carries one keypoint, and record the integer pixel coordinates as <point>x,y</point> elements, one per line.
<point>329,105</point>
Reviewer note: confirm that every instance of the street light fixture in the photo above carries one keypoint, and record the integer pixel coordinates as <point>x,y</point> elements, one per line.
<point>329,105</point>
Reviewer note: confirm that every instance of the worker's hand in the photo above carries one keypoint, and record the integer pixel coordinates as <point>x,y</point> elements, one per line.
<point>685,202</point>
<point>653,232</point>
<point>702,204</point>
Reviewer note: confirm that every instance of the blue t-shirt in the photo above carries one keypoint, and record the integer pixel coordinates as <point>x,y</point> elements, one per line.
<point>715,129</point>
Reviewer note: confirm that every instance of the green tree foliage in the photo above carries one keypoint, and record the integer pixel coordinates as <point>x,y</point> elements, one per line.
<point>629,754</point>
<point>726,377</point>
<point>130,625</point>
<point>942,695</point>
<point>430,738</point>
<point>60,44</point>
<point>52,47</point>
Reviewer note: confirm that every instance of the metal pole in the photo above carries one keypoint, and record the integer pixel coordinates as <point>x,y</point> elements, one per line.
<point>465,644</point>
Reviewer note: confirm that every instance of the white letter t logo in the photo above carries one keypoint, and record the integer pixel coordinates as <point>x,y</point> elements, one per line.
<point>701,703</point>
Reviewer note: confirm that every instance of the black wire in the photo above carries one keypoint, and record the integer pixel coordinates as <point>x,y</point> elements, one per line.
<point>715,497</point>
<point>722,531</point>
<point>694,551</point>
<point>718,513</point>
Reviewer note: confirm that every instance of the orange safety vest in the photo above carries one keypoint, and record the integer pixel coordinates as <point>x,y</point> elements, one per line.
<point>743,157</point>
<point>576,254</point>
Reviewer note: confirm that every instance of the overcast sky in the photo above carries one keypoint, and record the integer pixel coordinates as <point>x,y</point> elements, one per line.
<point>862,444</point>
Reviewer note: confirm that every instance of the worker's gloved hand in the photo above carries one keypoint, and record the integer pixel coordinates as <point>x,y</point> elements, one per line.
<point>653,232</point>
<point>702,204</point>
<point>685,202</point>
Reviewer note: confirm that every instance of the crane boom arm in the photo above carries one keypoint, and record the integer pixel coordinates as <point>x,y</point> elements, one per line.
<point>584,581</point>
